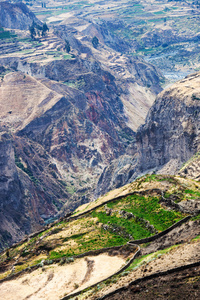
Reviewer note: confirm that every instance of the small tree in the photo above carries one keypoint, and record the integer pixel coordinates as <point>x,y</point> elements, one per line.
<point>67,46</point>
<point>32,31</point>
<point>95,42</point>
<point>38,29</point>
<point>7,253</point>
<point>45,28</point>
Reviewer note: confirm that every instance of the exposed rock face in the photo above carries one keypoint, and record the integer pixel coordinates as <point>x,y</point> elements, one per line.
<point>15,220</point>
<point>65,138</point>
<point>169,137</point>
<point>16,16</point>
<point>30,191</point>
<point>192,168</point>
<point>86,129</point>
<point>69,119</point>
<point>171,133</point>
<point>158,37</point>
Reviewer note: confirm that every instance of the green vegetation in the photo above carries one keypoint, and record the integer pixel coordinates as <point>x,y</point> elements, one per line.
<point>192,194</point>
<point>37,30</point>
<point>78,84</point>
<point>27,170</point>
<point>149,257</point>
<point>95,42</point>
<point>67,56</point>
<point>149,209</point>
<point>113,224</point>
<point>71,190</point>
<point>67,46</point>
<point>5,34</point>
<point>126,227</point>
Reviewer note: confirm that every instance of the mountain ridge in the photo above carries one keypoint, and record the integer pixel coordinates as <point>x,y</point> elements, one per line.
<point>16,16</point>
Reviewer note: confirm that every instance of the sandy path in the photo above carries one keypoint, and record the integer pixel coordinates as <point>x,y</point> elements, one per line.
<point>56,281</point>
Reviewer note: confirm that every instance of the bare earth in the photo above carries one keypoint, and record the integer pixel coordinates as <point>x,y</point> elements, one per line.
<point>182,255</point>
<point>53,282</point>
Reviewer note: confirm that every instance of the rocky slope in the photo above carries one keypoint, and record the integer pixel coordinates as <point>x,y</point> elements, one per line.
<point>165,34</point>
<point>69,117</point>
<point>19,207</point>
<point>27,197</point>
<point>169,137</point>
<point>16,16</point>
<point>191,168</point>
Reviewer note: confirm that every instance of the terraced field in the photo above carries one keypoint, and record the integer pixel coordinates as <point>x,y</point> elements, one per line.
<point>99,233</point>
<point>41,50</point>
<point>164,33</point>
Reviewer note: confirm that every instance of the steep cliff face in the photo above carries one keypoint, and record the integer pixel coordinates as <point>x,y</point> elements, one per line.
<point>169,137</point>
<point>62,138</point>
<point>191,169</point>
<point>14,216</point>
<point>171,133</point>
<point>86,129</point>
<point>69,118</point>
<point>30,190</point>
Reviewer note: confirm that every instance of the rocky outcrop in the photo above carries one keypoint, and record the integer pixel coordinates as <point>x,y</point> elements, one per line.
<point>16,214</point>
<point>171,133</point>
<point>191,169</point>
<point>69,118</point>
<point>169,137</point>
<point>30,190</point>
<point>68,121</point>
<point>86,129</point>
<point>158,37</point>
<point>16,16</point>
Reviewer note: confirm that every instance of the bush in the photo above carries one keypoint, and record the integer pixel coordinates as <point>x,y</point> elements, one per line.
<point>67,46</point>
<point>95,42</point>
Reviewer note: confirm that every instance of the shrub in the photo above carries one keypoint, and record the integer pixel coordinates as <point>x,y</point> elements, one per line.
<point>95,42</point>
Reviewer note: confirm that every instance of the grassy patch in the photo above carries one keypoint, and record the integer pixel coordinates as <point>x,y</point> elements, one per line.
<point>67,56</point>
<point>124,226</point>
<point>149,209</point>
<point>196,238</point>
<point>149,257</point>
<point>192,193</point>
<point>6,34</point>
<point>71,190</point>
<point>196,218</point>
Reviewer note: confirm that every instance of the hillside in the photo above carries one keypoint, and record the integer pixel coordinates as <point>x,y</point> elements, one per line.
<point>67,116</point>
<point>16,16</point>
<point>165,33</point>
<point>76,246</point>
<point>70,122</point>
<point>167,140</point>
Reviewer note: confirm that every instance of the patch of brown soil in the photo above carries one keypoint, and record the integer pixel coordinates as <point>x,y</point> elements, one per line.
<point>179,256</point>
<point>23,98</point>
<point>178,235</point>
<point>52,282</point>
<point>179,285</point>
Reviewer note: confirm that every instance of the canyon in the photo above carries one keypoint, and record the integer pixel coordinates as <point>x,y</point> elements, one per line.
<point>99,149</point>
